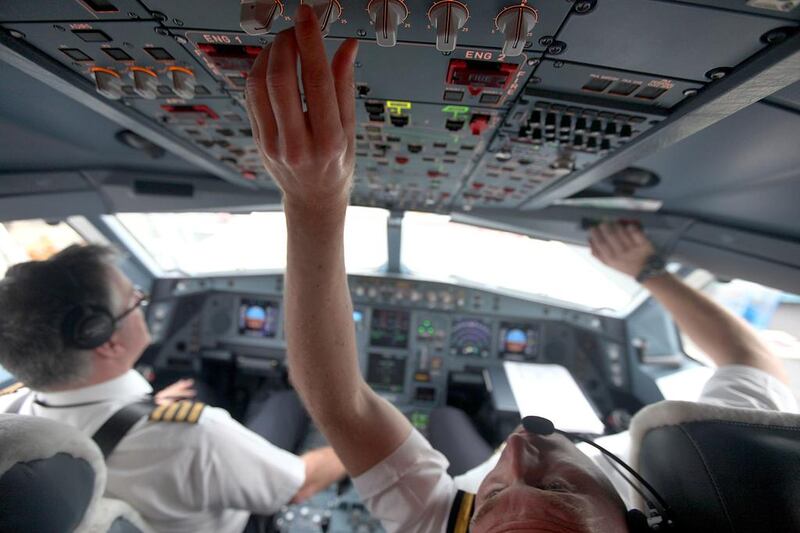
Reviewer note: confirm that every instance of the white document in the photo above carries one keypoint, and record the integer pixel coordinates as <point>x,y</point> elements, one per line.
<point>550,391</point>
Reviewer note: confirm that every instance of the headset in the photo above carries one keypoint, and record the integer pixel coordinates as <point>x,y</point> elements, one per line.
<point>87,327</point>
<point>659,517</point>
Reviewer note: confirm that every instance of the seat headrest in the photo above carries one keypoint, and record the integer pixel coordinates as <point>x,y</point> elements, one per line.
<point>719,468</point>
<point>46,465</point>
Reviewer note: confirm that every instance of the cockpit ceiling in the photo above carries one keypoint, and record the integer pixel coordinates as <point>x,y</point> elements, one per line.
<point>485,125</point>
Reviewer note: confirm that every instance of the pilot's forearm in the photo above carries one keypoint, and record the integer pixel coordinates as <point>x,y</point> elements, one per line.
<point>323,358</point>
<point>726,338</point>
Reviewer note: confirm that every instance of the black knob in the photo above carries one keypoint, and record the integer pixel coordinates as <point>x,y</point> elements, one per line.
<point>626,131</point>
<point>591,144</point>
<point>578,140</point>
<point>524,131</point>
<point>537,135</point>
<point>605,145</point>
<point>535,118</point>
<point>550,121</point>
<point>580,125</point>
<point>597,126</point>
<point>566,123</point>
<point>611,128</point>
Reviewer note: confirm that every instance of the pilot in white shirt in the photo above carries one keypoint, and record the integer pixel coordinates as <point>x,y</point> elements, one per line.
<point>411,491</point>
<point>186,468</point>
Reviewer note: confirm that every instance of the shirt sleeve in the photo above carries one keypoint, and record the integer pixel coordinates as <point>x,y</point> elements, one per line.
<point>242,470</point>
<point>749,388</point>
<point>410,491</point>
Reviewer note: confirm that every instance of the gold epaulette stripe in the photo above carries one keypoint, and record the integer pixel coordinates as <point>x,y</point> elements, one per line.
<point>194,415</point>
<point>182,411</point>
<point>464,514</point>
<point>11,389</point>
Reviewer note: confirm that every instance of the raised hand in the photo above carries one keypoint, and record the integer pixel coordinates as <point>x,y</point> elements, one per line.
<point>310,154</point>
<point>183,389</point>
<point>623,248</point>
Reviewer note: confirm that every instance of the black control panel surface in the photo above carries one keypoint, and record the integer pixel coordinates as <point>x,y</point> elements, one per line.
<point>416,339</point>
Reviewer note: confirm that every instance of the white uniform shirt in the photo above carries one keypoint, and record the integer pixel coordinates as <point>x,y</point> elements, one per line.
<point>411,492</point>
<point>208,476</point>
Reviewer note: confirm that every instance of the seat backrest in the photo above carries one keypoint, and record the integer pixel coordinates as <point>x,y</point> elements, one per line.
<point>721,469</point>
<point>52,479</point>
<point>47,465</point>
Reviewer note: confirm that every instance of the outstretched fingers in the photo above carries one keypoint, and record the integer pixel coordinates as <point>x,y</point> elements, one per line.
<point>259,107</point>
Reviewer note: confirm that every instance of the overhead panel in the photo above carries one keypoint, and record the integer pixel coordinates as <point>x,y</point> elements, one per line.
<point>460,104</point>
<point>663,38</point>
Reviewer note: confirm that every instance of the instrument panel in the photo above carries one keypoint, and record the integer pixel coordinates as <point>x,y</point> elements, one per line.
<point>417,340</point>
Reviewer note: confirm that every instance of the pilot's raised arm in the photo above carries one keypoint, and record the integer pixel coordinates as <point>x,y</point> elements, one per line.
<point>541,483</point>
<point>749,374</point>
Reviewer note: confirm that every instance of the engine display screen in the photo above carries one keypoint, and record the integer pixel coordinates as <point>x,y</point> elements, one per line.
<point>386,372</point>
<point>519,341</point>
<point>471,337</point>
<point>389,328</point>
<point>258,318</point>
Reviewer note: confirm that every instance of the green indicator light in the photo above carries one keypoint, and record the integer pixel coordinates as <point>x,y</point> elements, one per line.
<point>421,330</point>
<point>456,110</point>
<point>430,330</point>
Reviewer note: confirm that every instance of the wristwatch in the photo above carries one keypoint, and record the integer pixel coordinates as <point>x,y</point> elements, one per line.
<point>653,267</point>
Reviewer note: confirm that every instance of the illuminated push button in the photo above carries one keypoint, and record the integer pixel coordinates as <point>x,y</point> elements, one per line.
<point>256,16</point>
<point>515,22</point>
<point>145,82</point>
<point>183,81</point>
<point>328,12</point>
<point>108,82</point>
<point>447,17</point>
<point>386,16</point>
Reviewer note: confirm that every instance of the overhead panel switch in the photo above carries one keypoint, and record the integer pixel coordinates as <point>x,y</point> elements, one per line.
<point>516,22</point>
<point>327,11</point>
<point>145,82</point>
<point>183,81</point>
<point>447,17</point>
<point>386,16</point>
<point>107,82</point>
<point>256,16</point>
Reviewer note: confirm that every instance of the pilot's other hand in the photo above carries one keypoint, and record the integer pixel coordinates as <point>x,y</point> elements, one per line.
<point>180,390</point>
<point>323,468</point>
<point>310,154</point>
<point>622,247</point>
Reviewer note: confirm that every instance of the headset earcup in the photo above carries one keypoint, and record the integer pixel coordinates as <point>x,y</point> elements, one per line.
<point>637,521</point>
<point>88,327</point>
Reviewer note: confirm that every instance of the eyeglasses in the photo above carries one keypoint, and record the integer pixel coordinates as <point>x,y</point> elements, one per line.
<point>142,299</point>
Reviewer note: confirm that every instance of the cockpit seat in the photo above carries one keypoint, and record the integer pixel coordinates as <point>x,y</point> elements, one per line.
<point>721,468</point>
<point>452,433</point>
<point>52,478</point>
<point>281,419</point>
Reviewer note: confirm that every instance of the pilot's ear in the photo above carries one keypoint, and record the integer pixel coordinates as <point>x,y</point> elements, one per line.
<point>112,349</point>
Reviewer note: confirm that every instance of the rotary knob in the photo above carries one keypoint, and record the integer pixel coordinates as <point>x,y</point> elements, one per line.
<point>448,17</point>
<point>256,16</point>
<point>328,12</point>
<point>386,16</point>
<point>145,82</point>
<point>515,22</point>
<point>183,81</point>
<point>108,82</point>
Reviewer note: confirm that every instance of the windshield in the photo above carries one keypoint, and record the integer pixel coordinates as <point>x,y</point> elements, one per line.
<point>25,240</point>
<point>208,243</point>
<point>435,247</point>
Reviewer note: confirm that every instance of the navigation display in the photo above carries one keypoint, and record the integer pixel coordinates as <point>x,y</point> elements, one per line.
<point>389,328</point>
<point>386,372</point>
<point>519,341</point>
<point>471,337</point>
<point>258,318</point>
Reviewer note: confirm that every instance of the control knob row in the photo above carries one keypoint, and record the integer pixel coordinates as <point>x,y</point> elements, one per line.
<point>145,82</point>
<point>447,17</point>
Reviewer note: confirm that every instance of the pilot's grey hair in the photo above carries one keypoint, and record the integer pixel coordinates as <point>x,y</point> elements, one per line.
<point>35,297</point>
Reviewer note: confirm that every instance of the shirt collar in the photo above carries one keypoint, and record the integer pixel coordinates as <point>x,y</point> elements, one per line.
<point>129,384</point>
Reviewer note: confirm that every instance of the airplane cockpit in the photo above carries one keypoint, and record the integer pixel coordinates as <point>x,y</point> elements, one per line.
<point>491,137</point>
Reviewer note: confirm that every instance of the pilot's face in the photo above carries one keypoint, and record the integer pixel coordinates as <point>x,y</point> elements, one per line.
<point>132,334</point>
<point>546,484</point>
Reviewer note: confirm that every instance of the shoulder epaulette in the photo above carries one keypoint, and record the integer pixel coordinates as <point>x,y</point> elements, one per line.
<point>11,389</point>
<point>461,512</point>
<point>186,411</point>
